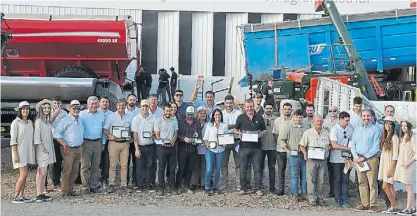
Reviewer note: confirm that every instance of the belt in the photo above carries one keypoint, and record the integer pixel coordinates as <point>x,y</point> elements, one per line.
<point>120,141</point>
<point>93,140</point>
<point>141,146</point>
<point>75,147</point>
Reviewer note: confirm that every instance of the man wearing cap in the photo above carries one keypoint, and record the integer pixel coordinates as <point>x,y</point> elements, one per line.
<point>250,125</point>
<point>69,133</point>
<point>189,136</point>
<point>165,130</point>
<point>117,129</point>
<point>142,129</point>
<point>174,81</point>
<point>93,121</point>
<point>56,168</point>
<point>366,139</point>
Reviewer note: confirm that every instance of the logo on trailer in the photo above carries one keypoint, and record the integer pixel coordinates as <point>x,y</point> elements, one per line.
<point>316,49</point>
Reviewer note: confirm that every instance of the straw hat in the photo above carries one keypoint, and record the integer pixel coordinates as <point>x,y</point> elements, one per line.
<point>413,125</point>
<point>44,101</point>
<point>389,118</point>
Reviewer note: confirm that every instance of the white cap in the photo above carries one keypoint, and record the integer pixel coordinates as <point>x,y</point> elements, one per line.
<point>75,103</point>
<point>190,110</point>
<point>23,103</point>
<point>389,118</point>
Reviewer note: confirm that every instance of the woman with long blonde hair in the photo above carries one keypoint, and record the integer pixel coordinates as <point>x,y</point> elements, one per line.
<point>406,166</point>
<point>44,146</point>
<point>389,156</point>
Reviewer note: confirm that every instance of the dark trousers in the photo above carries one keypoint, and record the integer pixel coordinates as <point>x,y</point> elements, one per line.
<point>173,89</point>
<point>330,172</point>
<point>167,162</point>
<point>282,166</point>
<point>56,168</point>
<point>142,91</point>
<point>340,182</point>
<point>105,164</point>
<point>187,164</point>
<point>144,165</point>
<point>272,158</point>
<point>133,158</point>
<point>252,155</point>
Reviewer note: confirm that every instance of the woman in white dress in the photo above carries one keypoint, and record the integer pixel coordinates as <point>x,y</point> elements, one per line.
<point>406,166</point>
<point>44,146</point>
<point>387,165</point>
<point>23,152</point>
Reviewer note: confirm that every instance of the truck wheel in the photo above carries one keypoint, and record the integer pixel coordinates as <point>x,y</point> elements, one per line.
<point>74,71</point>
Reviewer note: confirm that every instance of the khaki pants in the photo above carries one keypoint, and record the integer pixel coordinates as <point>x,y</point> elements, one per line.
<point>368,186</point>
<point>70,169</point>
<point>315,179</point>
<point>118,152</point>
<point>90,163</point>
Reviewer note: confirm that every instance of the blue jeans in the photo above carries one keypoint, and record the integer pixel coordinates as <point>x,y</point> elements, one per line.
<point>297,164</point>
<point>212,157</point>
<point>340,182</point>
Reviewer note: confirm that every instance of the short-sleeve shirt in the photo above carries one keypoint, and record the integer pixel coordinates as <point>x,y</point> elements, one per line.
<point>268,141</point>
<point>211,132</point>
<point>71,130</point>
<point>158,113</point>
<point>341,136</point>
<point>166,127</point>
<point>141,125</point>
<point>243,123</point>
<point>230,118</point>
<point>311,138</point>
<point>93,124</point>
<point>114,119</point>
<point>279,124</point>
<point>291,135</point>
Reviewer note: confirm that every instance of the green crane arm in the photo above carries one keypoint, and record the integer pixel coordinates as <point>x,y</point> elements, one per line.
<point>363,79</point>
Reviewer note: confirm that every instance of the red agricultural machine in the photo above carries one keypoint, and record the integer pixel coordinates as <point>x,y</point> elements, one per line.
<point>71,56</point>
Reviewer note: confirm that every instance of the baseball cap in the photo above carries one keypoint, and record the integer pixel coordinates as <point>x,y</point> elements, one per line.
<point>144,102</point>
<point>75,103</point>
<point>190,110</point>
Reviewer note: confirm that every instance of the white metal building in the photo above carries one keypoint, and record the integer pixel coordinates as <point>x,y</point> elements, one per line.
<point>196,37</point>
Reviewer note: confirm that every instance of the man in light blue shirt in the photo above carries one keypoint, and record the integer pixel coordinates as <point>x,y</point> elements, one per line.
<point>366,140</point>
<point>355,114</point>
<point>93,121</point>
<point>69,133</point>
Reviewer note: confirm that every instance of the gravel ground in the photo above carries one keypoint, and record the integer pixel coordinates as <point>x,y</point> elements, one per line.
<point>230,198</point>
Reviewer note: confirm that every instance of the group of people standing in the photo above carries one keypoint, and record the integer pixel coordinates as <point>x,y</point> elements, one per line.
<point>185,147</point>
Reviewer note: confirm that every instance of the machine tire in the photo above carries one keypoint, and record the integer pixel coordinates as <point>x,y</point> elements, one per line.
<point>74,71</point>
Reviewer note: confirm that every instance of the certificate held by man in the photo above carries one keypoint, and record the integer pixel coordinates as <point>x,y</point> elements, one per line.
<point>250,136</point>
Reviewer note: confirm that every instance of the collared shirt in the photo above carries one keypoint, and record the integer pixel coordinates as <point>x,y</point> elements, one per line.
<point>187,130</point>
<point>342,136</point>
<point>105,117</point>
<point>140,125</point>
<point>61,115</point>
<point>166,127</point>
<point>308,122</point>
<point>260,111</point>
<point>93,124</point>
<point>328,123</point>
<point>312,138</point>
<point>355,119</point>
<point>366,141</point>
<point>114,119</point>
<point>290,135</point>
<point>268,141</point>
<point>243,123</point>
<point>210,134</point>
<point>71,130</point>
<point>134,112</point>
<point>230,119</point>
<point>280,123</point>
<point>158,113</point>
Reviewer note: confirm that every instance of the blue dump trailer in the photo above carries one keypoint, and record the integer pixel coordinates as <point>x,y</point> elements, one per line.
<point>385,40</point>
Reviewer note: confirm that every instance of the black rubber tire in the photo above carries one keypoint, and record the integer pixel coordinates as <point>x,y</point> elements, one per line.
<point>74,71</point>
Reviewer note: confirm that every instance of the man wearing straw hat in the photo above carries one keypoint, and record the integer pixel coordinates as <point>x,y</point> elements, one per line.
<point>69,133</point>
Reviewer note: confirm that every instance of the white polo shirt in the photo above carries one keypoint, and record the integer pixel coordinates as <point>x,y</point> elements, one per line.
<point>338,134</point>
<point>140,125</point>
<point>230,119</point>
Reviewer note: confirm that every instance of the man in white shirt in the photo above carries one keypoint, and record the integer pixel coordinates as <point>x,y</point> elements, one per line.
<point>142,129</point>
<point>355,114</point>
<point>229,117</point>
<point>340,136</point>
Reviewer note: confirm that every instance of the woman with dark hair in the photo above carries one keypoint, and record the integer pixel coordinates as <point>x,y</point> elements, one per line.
<point>23,151</point>
<point>389,156</point>
<point>174,111</point>
<point>214,152</point>
<point>406,165</point>
<point>45,151</point>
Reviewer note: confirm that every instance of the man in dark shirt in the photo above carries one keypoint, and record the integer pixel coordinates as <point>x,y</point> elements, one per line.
<point>250,124</point>
<point>179,100</point>
<point>174,82</point>
<point>141,79</point>
<point>163,84</point>
<point>148,83</point>
<point>267,91</point>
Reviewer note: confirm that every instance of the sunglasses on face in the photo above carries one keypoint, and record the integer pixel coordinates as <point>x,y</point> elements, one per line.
<point>332,110</point>
<point>178,95</point>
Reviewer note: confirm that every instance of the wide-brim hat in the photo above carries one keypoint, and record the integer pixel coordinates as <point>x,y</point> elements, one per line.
<point>413,124</point>
<point>44,101</point>
<point>389,118</point>
<point>22,104</point>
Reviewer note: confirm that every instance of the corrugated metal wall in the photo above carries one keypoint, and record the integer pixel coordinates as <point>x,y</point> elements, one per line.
<point>168,39</point>
<point>269,18</point>
<point>234,58</point>
<point>309,16</point>
<point>202,47</point>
